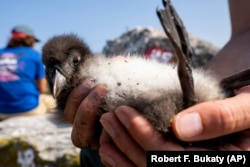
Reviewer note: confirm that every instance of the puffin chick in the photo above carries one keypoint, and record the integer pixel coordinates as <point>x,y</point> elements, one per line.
<point>152,88</point>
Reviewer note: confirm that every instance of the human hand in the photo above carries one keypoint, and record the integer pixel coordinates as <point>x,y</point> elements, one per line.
<point>81,111</point>
<point>217,118</point>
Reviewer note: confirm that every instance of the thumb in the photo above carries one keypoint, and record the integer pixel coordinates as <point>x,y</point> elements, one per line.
<point>213,119</point>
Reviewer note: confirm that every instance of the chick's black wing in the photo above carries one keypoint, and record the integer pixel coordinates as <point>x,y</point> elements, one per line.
<point>177,34</point>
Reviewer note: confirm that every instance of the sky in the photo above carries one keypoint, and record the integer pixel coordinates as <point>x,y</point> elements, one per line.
<point>98,21</point>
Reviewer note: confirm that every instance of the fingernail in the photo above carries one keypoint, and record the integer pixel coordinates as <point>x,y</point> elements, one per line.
<point>97,96</point>
<point>85,86</point>
<point>242,90</point>
<point>123,117</point>
<point>108,128</point>
<point>89,83</point>
<point>189,125</point>
<point>107,160</point>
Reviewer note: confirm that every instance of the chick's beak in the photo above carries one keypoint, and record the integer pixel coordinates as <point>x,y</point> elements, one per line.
<point>58,84</point>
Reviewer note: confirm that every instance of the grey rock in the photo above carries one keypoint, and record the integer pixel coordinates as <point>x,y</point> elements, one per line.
<point>50,140</point>
<point>138,40</point>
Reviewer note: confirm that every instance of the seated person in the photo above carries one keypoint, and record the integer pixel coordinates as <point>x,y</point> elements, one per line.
<point>22,77</point>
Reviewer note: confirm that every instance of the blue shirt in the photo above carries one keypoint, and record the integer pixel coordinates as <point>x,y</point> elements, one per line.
<point>19,69</point>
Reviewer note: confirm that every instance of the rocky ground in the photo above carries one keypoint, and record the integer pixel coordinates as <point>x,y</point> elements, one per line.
<point>36,141</point>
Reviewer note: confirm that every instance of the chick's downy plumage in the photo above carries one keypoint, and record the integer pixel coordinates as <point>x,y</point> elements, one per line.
<point>150,87</point>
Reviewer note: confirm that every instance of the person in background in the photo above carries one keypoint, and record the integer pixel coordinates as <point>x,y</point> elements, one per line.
<point>22,77</point>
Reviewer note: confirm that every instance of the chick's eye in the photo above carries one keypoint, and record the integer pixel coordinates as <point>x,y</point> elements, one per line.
<point>75,60</point>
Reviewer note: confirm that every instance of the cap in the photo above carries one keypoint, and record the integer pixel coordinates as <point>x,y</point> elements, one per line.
<point>23,31</point>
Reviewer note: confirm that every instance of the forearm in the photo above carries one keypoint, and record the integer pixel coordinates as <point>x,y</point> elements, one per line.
<point>240,16</point>
<point>234,56</point>
<point>42,85</point>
